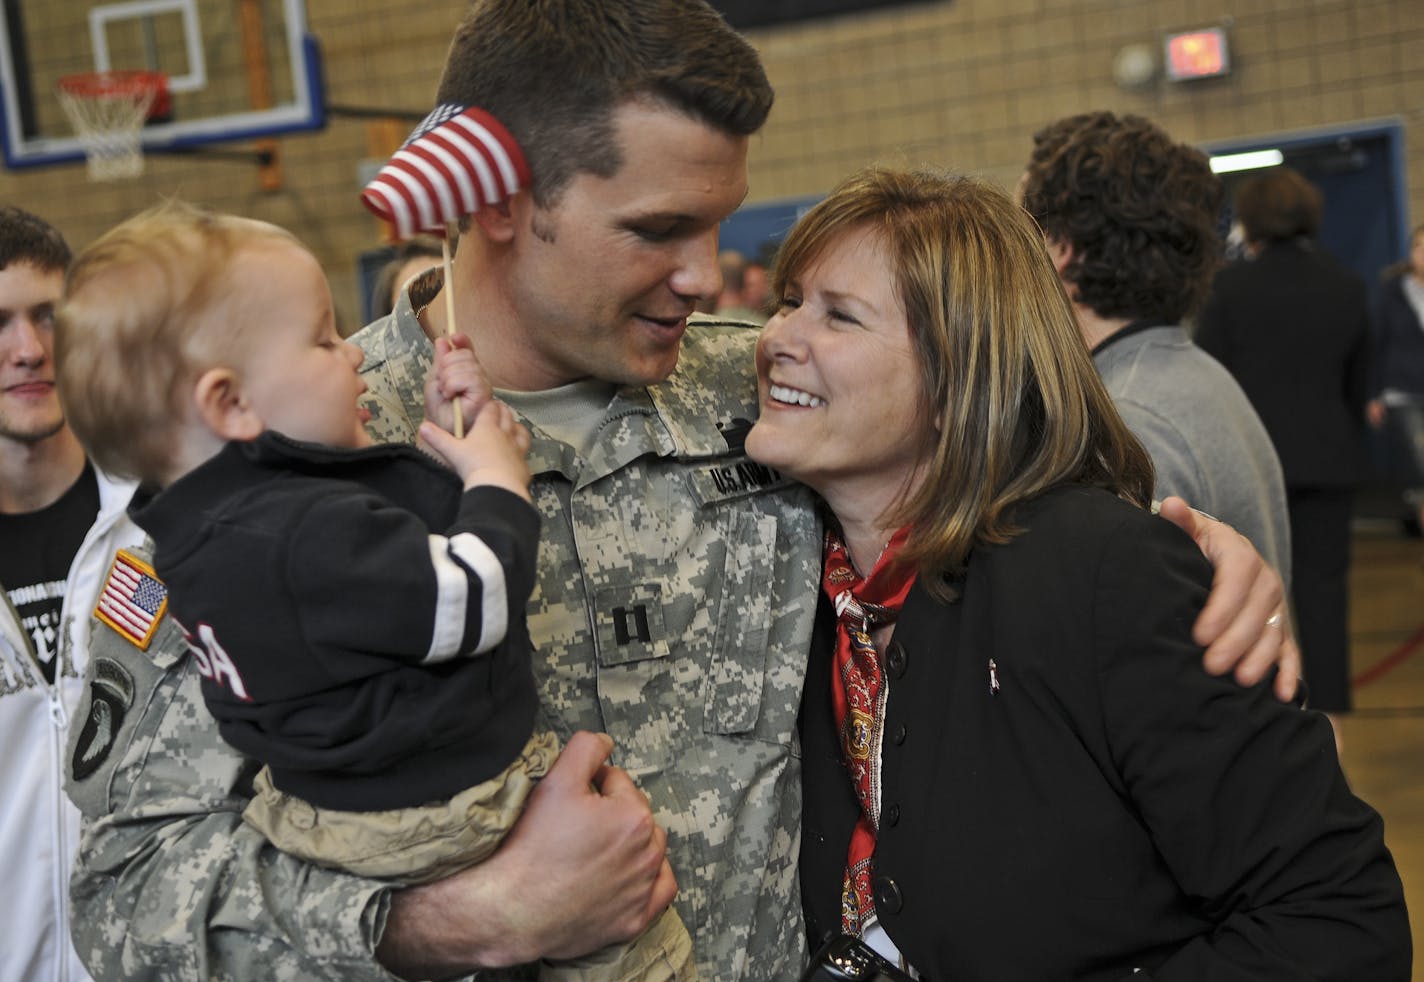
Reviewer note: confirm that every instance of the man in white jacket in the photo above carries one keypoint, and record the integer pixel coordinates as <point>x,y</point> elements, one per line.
<point>60,523</point>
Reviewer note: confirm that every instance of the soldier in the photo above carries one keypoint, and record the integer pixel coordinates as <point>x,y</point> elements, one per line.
<point>677,579</point>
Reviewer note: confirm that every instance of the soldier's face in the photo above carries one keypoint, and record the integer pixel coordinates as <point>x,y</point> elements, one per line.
<point>29,405</point>
<point>605,279</point>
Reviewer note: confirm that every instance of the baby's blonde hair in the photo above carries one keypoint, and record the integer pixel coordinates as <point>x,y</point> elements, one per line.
<point>146,308</point>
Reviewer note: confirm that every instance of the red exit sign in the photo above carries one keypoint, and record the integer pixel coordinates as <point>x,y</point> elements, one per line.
<point>1197,54</point>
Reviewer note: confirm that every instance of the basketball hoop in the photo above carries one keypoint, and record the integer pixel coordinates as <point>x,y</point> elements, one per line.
<point>107,111</point>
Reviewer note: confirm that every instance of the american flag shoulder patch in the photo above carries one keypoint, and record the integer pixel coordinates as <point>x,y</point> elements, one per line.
<point>133,599</point>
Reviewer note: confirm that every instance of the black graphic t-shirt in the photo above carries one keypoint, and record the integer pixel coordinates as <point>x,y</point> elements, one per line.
<point>36,550</point>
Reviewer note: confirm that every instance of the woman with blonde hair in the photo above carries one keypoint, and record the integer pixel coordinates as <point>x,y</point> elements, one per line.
<point>1014,765</point>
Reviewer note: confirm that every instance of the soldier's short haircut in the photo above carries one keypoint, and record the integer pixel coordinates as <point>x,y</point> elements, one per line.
<point>146,307</point>
<point>554,71</point>
<point>27,238</point>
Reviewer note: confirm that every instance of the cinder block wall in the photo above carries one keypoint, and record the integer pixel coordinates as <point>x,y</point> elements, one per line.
<point>961,83</point>
<point>966,83</point>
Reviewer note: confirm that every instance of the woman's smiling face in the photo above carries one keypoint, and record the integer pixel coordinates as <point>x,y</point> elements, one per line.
<point>837,376</point>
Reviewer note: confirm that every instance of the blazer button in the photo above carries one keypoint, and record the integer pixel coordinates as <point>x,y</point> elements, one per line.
<point>899,735</point>
<point>892,815</point>
<point>895,660</point>
<point>887,895</point>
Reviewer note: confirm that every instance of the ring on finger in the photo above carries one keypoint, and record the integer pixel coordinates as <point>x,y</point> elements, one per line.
<point>1274,620</point>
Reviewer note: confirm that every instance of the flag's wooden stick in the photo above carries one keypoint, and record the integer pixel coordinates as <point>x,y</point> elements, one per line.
<point>449,292</point>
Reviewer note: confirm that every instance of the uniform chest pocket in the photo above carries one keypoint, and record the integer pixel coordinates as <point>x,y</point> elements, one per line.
<point>737,672</point>
<point>629,623</point>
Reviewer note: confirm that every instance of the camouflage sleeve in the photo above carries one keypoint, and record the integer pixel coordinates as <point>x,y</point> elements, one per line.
<point>170,883</point>
<point>397,357</point>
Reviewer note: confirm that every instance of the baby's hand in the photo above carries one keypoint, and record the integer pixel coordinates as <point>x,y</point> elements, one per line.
<point>492,451</point>
<point>456,375</point>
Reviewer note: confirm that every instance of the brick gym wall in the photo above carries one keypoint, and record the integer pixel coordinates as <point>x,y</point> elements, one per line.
<point>961,83</point>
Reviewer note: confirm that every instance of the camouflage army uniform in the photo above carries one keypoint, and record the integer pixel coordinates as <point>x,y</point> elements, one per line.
<point>677,583</point>
<point>170,883</point>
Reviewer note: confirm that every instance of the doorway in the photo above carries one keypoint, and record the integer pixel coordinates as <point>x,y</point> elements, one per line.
<point>1360,171</point>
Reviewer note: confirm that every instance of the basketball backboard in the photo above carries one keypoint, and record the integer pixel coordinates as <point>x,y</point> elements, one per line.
<point>237,69</point>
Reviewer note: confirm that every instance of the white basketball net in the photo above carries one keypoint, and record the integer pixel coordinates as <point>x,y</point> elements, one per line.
<point>108,114</point>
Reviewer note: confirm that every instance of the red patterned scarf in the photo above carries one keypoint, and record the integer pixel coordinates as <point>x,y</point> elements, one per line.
<point>858,696</point>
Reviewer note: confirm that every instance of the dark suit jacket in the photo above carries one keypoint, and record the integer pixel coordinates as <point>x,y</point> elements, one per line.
<point>1293,326</point>
<point>1112,806</point>
<point>1399,354</point>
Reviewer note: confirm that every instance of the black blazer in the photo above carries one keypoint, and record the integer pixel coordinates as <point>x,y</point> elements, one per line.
<point>1399,352</point>
<point>1293,326</point>
<point>1111,807</point>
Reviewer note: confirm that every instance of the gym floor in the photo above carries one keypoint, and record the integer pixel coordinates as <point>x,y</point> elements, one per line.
<point>1383,738</point>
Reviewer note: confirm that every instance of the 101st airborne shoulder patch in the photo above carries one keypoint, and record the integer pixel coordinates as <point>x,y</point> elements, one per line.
<point>133,599</point>
<point>111,696</point>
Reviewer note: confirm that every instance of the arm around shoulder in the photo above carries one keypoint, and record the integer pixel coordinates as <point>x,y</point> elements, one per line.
<point>1243,623</point>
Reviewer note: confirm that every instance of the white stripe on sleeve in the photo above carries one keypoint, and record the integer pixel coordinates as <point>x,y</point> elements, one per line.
<point>453,596</point>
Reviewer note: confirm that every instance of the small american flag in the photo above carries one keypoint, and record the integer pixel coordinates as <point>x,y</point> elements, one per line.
<point>133,599</point>
<point>459,159</point>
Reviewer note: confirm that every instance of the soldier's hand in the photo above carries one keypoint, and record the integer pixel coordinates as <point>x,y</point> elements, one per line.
<point>614,856</point>
<point>1244,624</point>
<point>583,868</point>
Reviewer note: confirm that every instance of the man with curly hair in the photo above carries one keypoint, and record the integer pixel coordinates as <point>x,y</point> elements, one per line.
<point>1130,219</point>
